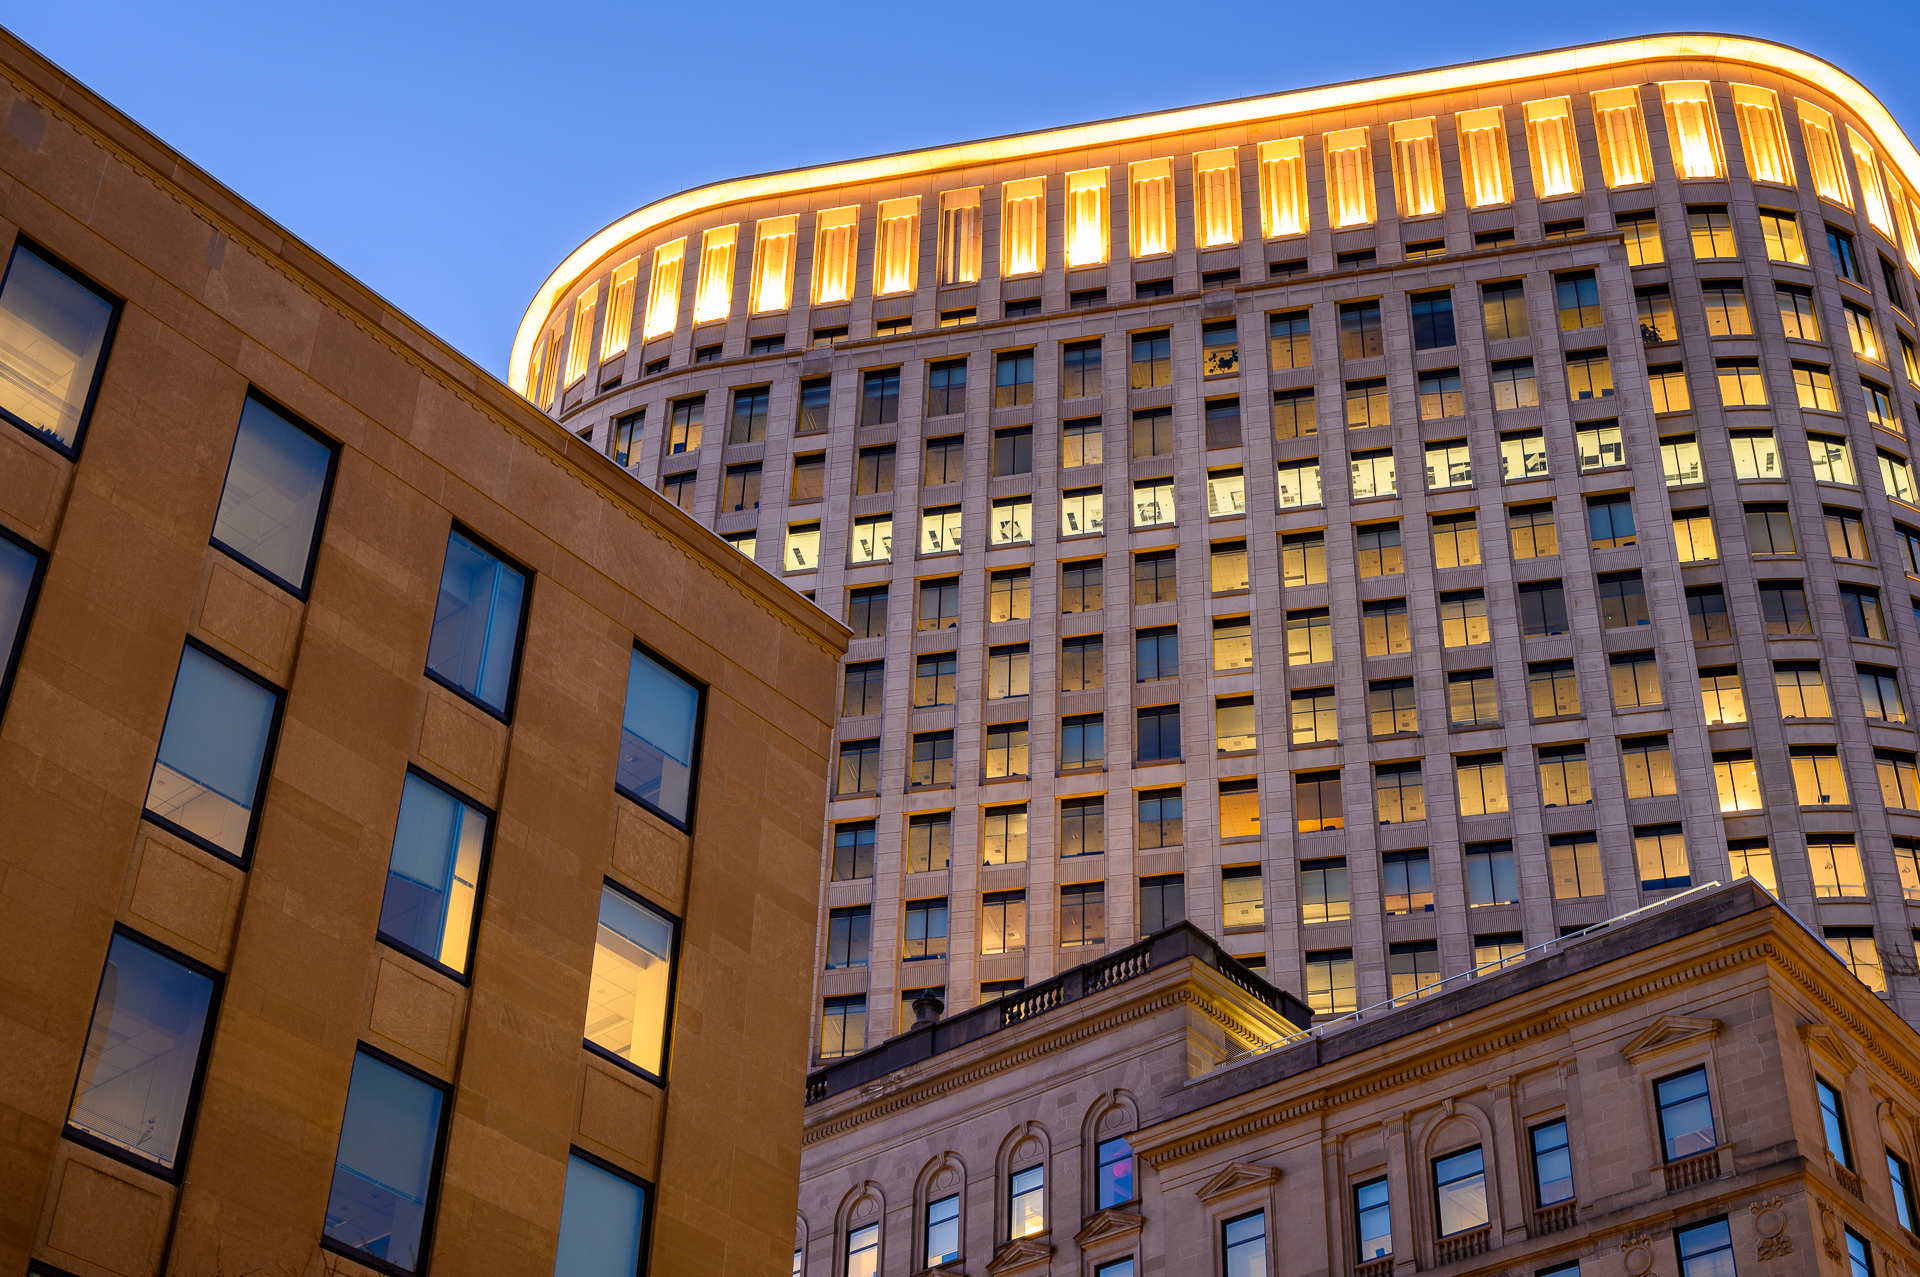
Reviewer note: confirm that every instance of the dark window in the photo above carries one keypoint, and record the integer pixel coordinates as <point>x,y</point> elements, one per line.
<point>1218,279</point>
<point>843,1032</point>
<point>945,459</point>
<point>956,318</point>
<point>849,932</point>
<point>1769,529</point>
<point>1083,826</point>
<point>706,354</point>
<point>687,425</point>
<point>1223,423</point>
<point>1578,296</point>
<point>1432,320</point>
<point>1610,520</point>
<point>1890,276</point>
<point>59,328</point>
<point>1013,451</point>
<point>829,336</point>
<point>1159,733</point>
<point>1085,297</point>
<point>474,647</point>
<point>933,679</point>
<point>659,733</point>
<point>603,1214</point>
<point>145,1056</point>
<point>274,499</point>
<point>21,567</point>
<point>749,415</point>
<point>1153,432</point>
<point>1153,578</point>
<point>1113,1173</point>
<point>1080,586</point>
<point>932,762</point>
<point>1407,885</point>
<point>1421,250</point>
<point>1903,1201</point>
<point>435,875</point>
<point>1153,288</point>
<point>880,397</point>
<point>1360,336</point>
<point>656,366</point>
<point>873,472</point>
<point>1363,259</point>
<point>853,843</point>
<point>1623,600</point>
<point>1567,229</point>
<point>1163,900</point>
<point>765,346</point>
<point>816,394</point>
<point>1494,239</point>
<point>1082,742</point>
<point>1152,359</point>
<point>391,1139</point>
<point>940,604</point>
<point>1287,270</point>
<point>741,491</point>
<point>1846,263</point>
<point>1013,377</point>
<point>1083,915</point>
<point>867,611</point>
<point>929,842</point>
<point>625,437</point>
<point>1707,613</point>
<point>1706,1250</point>
<point>1783,608</point>
<point>865,683</point>
<point>679,488</point>
<point>1022,308</point>
<point>1157,653</point>
<point>947,387</point>
<point>215,750</point>
<point>1543,608</point>
<point>859,767</point>
<point>1080,369</point>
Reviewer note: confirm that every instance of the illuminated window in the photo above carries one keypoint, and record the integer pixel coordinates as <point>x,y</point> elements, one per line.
<point>1152,502</point>
<point>1216,197</point>
<point>1711,231</point>
<point>1087,217</point>
<point>1298,483</point>
<point>960,236</point>
<point>1740,382</point>
<point>1896,476</point>
<point>1667,388</point>
<point>619,321</point>
<point>1515,385</point>
<point>545,368</point>
<point>1846,534</point>
<point>1781,232</point>
<point>1589,375</point>
<point>1416,167</point>
<point>1372,474</point>
<point>1762,136</point>
<point>1801,690</point>
<point>1449,465</point>
<point>940,530</point>
<point>1836,864</point>
<point>1574,859</point>
<point>1367,403</point>
<point>1860,605</point>
<point>1855,947</point>
<point>1550,141</point>
<point>581,344</point>
<point>836,235</point>
<point>1880,693</point>
<point>1554,693</point>
<point>1832,458</point>
<point>1523,455</point>
<point>713,295</point>
<point>1283,188</point>
<point>1823,154</point>
<point>1349,164</point>
<point>1660,852</point>
<point>1680,460</point>
<point>1624,158</point>
<point>663,298</point>
<point>1487,174</point>
<point>1692,135</point>
<point>896,248</point>
<point>1023,226</point>
<point>1693,536</point>
<point>1737,781</point>
<point>1471,698</point>
<point>1900,787</point>
<point>1456,540</point>
<point>773,245</point>
<point>1872,195</point>
<point>1440,394</point>
<point>1150,215</point>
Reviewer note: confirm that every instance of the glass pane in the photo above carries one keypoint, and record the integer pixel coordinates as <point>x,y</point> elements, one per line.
<point>16,578</point>
<point>52,331</point>
<point>599,1223</point>
<point>476,625</point>
<point>632,972</point>
<point>385,1165</point>
<point>270,506</point>
<point>210,752</point>
<point>434,874</point>
<point>143,1047</point>
<point>656,736</point>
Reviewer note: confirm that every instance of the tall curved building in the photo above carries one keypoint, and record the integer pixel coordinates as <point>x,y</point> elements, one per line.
<point>1387,524</point>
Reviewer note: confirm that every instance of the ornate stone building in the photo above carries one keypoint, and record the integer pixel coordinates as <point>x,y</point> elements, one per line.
<point>1183,477</point>
<point>1703,1091</point>
<point>401,867</point>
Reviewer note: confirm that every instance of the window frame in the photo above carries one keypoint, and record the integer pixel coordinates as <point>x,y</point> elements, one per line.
<point>673,989</point>
<point>648,1192</point>
<point>177,1174</point>
<point>430,1206</point>
<point>10,659</point>
<point>505,714</point>
<point>479,886</point>
<point>115,304</point>
<point>245,859</point>
<point>1660,1110</point>
<point>303,590</point>
<point>699,738</point>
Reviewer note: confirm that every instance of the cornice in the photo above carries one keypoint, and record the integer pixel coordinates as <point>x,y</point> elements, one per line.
<point>1768,948</point>
<point>1776,59</point>
<point>58,94</point>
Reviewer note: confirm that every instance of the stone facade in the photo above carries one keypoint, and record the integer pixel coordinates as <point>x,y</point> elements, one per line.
<point>1282,1135</point>
<point>216,302</point>
<point>1673,203</point>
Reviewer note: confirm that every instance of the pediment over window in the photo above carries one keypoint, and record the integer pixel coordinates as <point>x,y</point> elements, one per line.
<point>1021,1255</point>
<point>1668,1032</point>
<point>1235,1177</point>
<point>1115,1221</point>
<point>1828,1042</point>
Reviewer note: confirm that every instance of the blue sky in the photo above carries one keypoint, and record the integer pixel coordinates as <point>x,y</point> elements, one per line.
<point>451,156</point>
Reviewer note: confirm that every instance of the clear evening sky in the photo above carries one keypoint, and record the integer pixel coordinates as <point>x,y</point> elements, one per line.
<point>450,156</point>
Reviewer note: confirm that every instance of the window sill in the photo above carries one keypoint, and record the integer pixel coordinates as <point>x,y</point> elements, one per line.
<point>1001,780</point>
<point>1315,744</point>
<point>1561,718</point>
<point>1241,838</point>
<point>1235,753</point>
<point>921,789</point>
<point>1156,762</point>
<point>1082,771</point>
<point>1456,728</point>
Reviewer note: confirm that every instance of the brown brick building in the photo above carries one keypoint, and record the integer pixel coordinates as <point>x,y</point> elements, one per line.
<point>410,849</point>
<point>1700,1092</point>
<point>1387,524</point>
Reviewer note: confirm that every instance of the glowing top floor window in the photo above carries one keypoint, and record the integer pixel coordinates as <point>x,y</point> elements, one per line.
<point>1087,217</point>
<point>1150,207</point>
<point>1023,226</point>
<point>960,236</point>
<point>580,345</point>
<point>1216,197</point>
<point>1283,188</point>
<point>773,243</point>
<point>549,366</point>
<point>1416,168</point>
<point>896,249</point>
<point>1691,130</point>
<point>1823,154</point>
<point>619,321</point>
<point>1873,197</point>
<point>836,236</point>
<point>1485,169</point>
<point>1349,163</point>
<point>1556,156</point>
<point>713,295</point>
<point>1622,130</point>
<point>663,296</point>
<point>1762,136</point>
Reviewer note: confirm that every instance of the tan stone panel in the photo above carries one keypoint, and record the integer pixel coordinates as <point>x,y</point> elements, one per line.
<point>186,895</point>
<point>103,1219</point>
<point>412,1011</point>
<point>29,481</point>
<point>255,618</point>
<point>621,1114</point>
<point>651,855</point>
<point>465,742</point>
<point>254,296</point>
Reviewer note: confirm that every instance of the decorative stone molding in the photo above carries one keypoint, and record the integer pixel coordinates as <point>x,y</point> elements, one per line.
<point>1770,1221</point>
<point>1830,1232</point>
<point>1636,1252</point>
<point>1020,1255</point>
<point>1666,1033</point>
<point>1236,1177</point>
<point>1826,1041</point>
<point>1109,1224</point>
